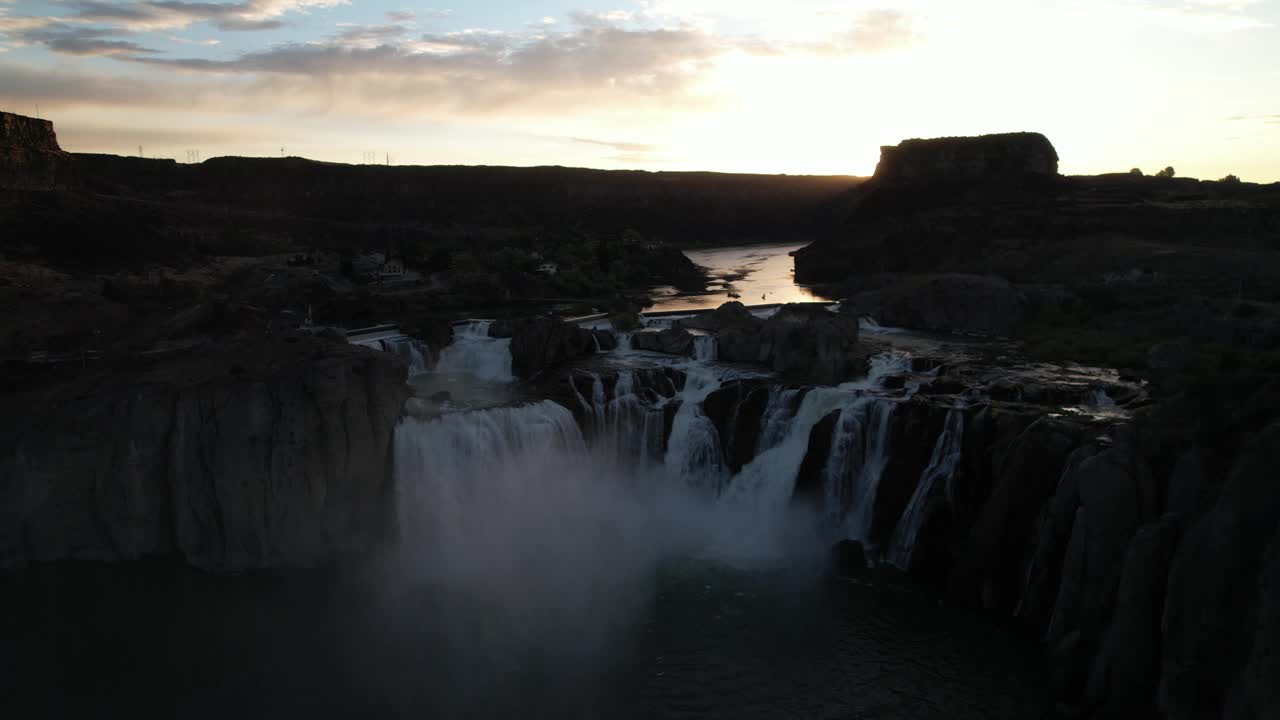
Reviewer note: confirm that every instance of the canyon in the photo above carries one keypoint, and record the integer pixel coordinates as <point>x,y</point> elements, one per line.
<point>1043,399</point>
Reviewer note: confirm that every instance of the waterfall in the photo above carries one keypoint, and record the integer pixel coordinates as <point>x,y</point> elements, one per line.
<point>693,452</point>
<point>855,464</point>
<point>628,426</point>
<point>768,480</point>
<point>778,411</point>
<point>443,462</point>
<point>417,355</point>
<point>767,483</point>
<point>942,466</point>
<point>474,352</point>
<point>624,342</point>
<point>704,348</point>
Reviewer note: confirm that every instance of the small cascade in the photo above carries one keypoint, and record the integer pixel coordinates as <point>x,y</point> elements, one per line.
<point>693,452</point>
<point>858,456</point>
<point>778,413</point>
<point>704,348</point>
<point>623,342</point>
<point>628,426</point>
<point>942,467</point>
<point>767,483</point>
<point>473,352</point>
<point>768,480</point>
<point>417,355</point>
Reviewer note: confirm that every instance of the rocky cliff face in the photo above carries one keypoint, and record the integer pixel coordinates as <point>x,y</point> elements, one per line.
<point>1144,559</point>
<point>263,454</point>
<point>1006,157</point>
<point>30,158</point>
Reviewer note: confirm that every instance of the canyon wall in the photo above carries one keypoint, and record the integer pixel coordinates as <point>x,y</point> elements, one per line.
<point>260,454</point>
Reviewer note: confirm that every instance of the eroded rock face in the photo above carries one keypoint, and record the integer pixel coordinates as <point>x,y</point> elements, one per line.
<point>672,341</point>
<point>800,340</point>
<point>538,344</point>
<point>30,158</point>
<point>262,454</point>
<point>967,159</point>
<point>978,304</point>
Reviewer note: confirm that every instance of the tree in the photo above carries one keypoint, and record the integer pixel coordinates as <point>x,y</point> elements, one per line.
<point>1230,179</point>
<point>1136,171</point>
<point>1166,173</point>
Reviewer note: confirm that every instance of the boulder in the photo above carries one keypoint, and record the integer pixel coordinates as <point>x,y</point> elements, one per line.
<point>802,340</point>
<point>541,343</point>
<point>672,341</point>
<point>730,314</point>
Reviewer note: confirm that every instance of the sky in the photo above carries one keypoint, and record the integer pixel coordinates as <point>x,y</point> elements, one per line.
<point>776,86</point>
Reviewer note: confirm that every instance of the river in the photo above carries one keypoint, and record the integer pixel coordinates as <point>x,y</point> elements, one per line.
<point>756,274</point>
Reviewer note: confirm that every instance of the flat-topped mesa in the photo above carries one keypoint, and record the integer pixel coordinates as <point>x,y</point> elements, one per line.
<point>27,133</point>
<point>30,158</point>
<point>984,158</point>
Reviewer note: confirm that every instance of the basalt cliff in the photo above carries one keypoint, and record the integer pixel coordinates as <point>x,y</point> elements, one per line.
<point>30,158</point>
<point>259,453</point>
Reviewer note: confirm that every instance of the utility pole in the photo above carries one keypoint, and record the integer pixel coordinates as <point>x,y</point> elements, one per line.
<point>140,151</point>
<point>388,159</point>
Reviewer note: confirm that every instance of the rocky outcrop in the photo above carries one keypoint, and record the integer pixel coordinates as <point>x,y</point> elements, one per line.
<point>1005,157</point>
<point>672,341</point>
<point>538,344</point>
<point>30,158</point>
<point>1150,578</point>
<point>803,341</point>
<point>951,303</point>
<point>261,454</point>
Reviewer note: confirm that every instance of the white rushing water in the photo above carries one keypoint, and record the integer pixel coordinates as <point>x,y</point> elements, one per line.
<point>941,468</point>
<point>859,454</point>
<point>693,453</point>
<point>475,353</point>
<point>746,515</point>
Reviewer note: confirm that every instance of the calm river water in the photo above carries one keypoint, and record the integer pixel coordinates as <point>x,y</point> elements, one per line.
<point>758,274</point>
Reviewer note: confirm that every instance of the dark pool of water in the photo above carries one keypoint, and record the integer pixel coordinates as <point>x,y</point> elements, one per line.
<point>700,642</point>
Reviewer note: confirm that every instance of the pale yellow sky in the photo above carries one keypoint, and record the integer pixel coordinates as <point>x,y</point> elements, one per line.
<point>807,86</point>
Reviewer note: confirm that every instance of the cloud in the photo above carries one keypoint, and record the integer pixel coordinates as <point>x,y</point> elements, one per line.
<point>621,147</point>
<point>1263,117</point>
<point>80,40</point>
<point>612,61</point>
<point>1192,16</point>
<point>480,70</point>
<point>873,32</point>
<point>170,14</point>
<point>50,86</point>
